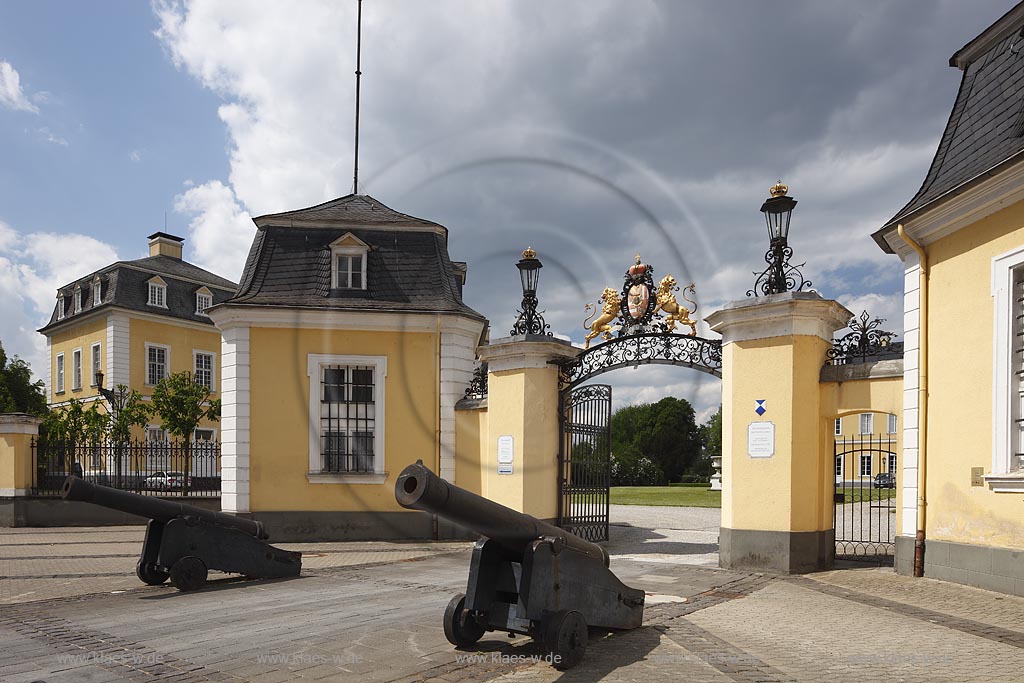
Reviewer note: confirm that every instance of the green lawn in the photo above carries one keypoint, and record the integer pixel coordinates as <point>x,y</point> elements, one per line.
<point>859,495</point>
<point>688,496</point>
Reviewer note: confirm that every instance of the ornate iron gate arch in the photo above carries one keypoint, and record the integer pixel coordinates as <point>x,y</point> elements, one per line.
<point>643,338</point>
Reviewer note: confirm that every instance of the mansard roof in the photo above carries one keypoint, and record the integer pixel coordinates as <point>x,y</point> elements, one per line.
<point>985,131</point>
<point>407,264</point>
<point>124,284</point>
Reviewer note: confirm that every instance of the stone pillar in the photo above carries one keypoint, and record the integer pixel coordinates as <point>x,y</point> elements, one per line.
<point>522,417</point>
<point>16,433</point>
<point>776,483</point>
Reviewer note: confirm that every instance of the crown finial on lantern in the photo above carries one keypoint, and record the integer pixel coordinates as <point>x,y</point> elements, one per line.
<point>779,190</point>
<point>529,253</point>
<point>638,258</point>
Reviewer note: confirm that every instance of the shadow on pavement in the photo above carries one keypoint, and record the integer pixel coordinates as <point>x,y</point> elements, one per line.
<point>627,539</point>
<point>214,585</point>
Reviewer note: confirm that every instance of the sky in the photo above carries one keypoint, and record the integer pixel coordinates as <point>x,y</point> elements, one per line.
<point>590,130</point>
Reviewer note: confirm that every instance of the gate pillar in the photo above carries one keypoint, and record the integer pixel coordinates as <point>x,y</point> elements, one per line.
<point>522,403</point>
<point>776,487</point>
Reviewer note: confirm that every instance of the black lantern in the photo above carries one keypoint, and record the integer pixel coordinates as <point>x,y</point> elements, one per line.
<point>529,321</point>
<point>779,276</point>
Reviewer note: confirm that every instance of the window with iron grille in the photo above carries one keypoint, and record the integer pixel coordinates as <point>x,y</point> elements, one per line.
<point>1017,373</point>
<point>865,465</point>
<point>839,466</point>
<point>347,418</point>
<point>892,463</point>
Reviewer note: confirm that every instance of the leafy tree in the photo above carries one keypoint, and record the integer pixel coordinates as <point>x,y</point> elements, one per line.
<point>664,432</point>
<point>18,393</point>
<point>72,426</point>
<point>134,413</point>
<point>711,438</point>
<point>182,403</point>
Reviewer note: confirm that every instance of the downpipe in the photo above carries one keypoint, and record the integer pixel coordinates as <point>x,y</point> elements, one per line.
<point>922,452</point>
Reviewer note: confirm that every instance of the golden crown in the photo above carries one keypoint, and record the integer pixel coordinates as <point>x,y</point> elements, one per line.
<point>779,190</point>
<point>529,253</point>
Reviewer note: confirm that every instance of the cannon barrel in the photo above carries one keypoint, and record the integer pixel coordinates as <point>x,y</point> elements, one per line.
<point>153,508</point>
<point>420,489</point>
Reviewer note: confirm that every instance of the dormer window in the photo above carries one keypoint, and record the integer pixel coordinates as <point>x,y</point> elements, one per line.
<point>348,258</point>
<point>78,299</point>
<point>97,295</point>
<point>157,292</point>
<point>204,299</point>
<point>60,306</point>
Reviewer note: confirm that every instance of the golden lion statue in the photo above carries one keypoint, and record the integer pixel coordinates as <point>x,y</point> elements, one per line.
<point>609,312</point>
<point>674,312</point>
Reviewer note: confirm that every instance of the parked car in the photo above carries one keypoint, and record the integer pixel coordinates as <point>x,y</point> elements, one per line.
<point>885,480</point>
<point>166,481</point>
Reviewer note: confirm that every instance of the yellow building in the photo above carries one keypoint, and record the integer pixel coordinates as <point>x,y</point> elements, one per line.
<point>136,322</point>
<point>344,352</point>
<point>961,242</point>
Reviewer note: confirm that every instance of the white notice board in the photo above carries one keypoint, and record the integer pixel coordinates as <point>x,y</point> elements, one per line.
<point>506,453</point>
<point>761,439</point>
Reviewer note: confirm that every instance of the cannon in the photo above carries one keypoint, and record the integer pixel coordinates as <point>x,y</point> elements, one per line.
<point>526,576</point>
<point>184,542</point>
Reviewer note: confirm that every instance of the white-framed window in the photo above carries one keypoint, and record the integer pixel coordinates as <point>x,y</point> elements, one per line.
<point>78,299</point>
<point>865,465</point>
<point>203,363</point>
<point>60,373</point>
<point>76,370</point>
<point>346,431</point>
<point>97,292</point>
<point>348,262</point>
<point>205,462</point>
<point>867,423</point>
<point>95,363</point>
<point>157,293</point>
<point>891,426</point>
<point>839,467</point>
<point>892,463</point>
<point>349,271</point>
<point>158,360</point>
<point>1008,364</point>
<point>203,301</point>
<point>60,307</point>
<point>839,427</point>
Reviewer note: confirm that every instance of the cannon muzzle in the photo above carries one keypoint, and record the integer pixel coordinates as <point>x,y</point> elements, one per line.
<point>154,508</point>
<point>420,489</point>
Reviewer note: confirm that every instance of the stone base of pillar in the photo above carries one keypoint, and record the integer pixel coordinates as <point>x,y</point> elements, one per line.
<point>780,552</point>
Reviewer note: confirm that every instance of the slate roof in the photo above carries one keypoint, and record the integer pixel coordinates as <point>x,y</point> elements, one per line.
<point>985,131</point>
<point>354,208</point>
<point>408,268</point>
<point>124,284</point>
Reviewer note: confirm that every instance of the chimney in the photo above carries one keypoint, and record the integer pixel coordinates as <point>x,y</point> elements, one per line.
<point>162,244</point>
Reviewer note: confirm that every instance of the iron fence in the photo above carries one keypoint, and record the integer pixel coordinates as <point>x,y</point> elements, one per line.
<point>164,468</point>
<point>864,518</point>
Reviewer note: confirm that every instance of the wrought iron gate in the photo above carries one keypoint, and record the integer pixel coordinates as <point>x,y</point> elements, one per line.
<point>584,461</point>
<point>865,496</point>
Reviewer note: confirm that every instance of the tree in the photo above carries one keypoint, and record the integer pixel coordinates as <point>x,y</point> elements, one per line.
<point>664,432</point>
<point>18,393</point>
<point>711,438</point>
<point>182,403</point>
<point>131,413</point>
<point>72,426</point>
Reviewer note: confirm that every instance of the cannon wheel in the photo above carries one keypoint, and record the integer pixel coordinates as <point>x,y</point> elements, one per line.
<point>565,637</point>
<point>150,575</point>
<point>188,573</point>
<point>460,628</point>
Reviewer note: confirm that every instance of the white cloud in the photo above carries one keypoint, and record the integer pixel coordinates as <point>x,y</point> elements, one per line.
<point>49,136</point>
<point>135,156</point>
<point>220,231</point>
<point>11,94</point>
<point>32,267</point>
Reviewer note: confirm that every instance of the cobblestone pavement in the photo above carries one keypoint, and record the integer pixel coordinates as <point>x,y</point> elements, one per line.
<point>372,611</point>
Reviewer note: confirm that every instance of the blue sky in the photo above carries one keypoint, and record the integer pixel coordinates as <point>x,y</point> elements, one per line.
<point>590,130</point>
